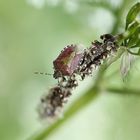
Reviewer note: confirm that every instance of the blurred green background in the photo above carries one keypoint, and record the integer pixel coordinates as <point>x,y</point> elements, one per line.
<point>32,33</point>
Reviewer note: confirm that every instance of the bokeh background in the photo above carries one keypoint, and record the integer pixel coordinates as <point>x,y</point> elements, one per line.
<point>32,34</point>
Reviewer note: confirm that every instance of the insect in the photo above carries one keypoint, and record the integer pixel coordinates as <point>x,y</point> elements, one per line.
<point>67,62</point>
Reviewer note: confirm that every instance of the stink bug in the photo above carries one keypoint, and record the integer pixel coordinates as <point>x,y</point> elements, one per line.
<point>67,62</point>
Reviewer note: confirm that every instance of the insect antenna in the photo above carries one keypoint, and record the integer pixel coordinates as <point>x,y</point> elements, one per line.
<point>42,73</point>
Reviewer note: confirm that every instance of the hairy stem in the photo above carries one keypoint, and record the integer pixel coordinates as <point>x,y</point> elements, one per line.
<point>75,107</point>
<point>103,68</point>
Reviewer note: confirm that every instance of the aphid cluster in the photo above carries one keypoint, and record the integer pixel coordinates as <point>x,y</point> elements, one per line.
<point>68,65</point>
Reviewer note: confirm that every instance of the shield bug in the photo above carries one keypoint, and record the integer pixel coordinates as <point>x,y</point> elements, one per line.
<point>68,61</point>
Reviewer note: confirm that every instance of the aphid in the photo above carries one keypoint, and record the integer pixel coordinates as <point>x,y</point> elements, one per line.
<point>67,62</point>
<point>52,103</point>
<point>108,37</point>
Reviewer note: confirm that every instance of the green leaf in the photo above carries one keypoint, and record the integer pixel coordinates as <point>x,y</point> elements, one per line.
<point>138,43</point>
<point>132,29</point>
<point>139,52</point>
<point>134,38</point>
<point>132,14</point>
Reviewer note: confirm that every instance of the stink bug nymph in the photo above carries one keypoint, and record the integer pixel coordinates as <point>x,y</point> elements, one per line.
<point>67,62</point>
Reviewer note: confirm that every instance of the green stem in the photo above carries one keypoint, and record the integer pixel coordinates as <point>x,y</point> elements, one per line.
<point>103,68</point>
<point>124,91</point>
<point>133,53</point>
<point>79,104</point>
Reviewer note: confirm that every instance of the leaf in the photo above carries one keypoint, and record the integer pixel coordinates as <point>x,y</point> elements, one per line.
<point>139,51</point>
<point>134,38</point>
<point>132,14</point>
<point>132,29</point>
<point>126,64</point>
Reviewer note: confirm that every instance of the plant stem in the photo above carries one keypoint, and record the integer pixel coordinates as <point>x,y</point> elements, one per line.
<point>124,91</point>
<point>103,68</point>
<point>75,107</point>
<point>133,53</point>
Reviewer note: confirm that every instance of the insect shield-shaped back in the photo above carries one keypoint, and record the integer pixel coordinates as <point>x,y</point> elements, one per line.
<point>67,62</point>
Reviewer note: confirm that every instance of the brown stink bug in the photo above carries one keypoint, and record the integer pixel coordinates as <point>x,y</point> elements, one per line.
<point>67,62</point>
